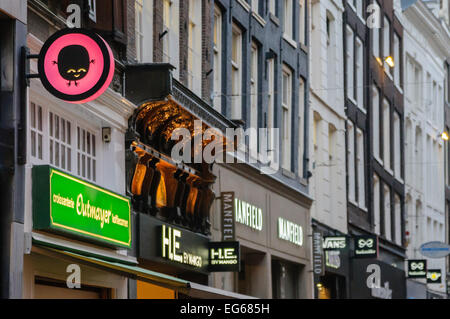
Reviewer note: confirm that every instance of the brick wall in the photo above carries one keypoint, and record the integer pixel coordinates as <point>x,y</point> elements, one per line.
<point>157,30</point>
<point>184,37</point>
<point>131,36</point>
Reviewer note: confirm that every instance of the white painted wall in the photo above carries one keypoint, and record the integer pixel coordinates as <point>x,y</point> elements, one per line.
<point>428,223</point>
<point>328,185</point>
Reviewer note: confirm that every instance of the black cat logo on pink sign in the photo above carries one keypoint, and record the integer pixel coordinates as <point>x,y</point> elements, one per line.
<point>76,65</point>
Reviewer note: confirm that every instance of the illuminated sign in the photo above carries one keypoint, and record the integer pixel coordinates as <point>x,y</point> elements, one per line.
<point>366,246</point>
<point>434,276</point>
<point>76,65</point>
<point>417,268</point>
<point>334,243</point>
<point>224,256</point>
<point>173,250</point>
<point>333,259</point>
<point>228,229</point>
<point>65,204</point>
<point>290,232</point>
<point>248,215</point>
<point>318,264</point>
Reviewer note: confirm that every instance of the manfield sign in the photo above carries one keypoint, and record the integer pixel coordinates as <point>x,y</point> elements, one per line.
<point>65,204</point>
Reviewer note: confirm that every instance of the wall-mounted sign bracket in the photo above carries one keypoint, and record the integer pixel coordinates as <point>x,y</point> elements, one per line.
<point>26,57</point>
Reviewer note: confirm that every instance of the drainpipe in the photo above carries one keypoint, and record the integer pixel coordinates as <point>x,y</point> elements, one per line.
<point>306,172</point>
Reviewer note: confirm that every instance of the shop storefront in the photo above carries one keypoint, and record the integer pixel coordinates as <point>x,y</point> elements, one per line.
<point>331,262</point>
<point>275,254</point>
<point>172,198</point>
<point>73,222</point>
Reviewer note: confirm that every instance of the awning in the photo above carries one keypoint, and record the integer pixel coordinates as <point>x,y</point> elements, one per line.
<point>42,245</point>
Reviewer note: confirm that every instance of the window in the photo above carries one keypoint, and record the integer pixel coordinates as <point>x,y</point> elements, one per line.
<point>360,168</point>
<point>139,30</point>
<point>286,117</point>
<point>349,56</point>
<point>271,100</point>
<point>376,204</point>
<point>54,139</point>
<point>92,10</point>
<point>273,7</point>
<point>397,60</point>
<point>256,6</point>
<point>302,22</point>
<point>351,161</point>
<point>254,95</point>
<point>447,79</point>
<point>170,41</point>
<point>195,47</point>
<point>397,146</point>
<point>386,43</point>
<point>60,142</point>
<point>288,18</point>
<point>236,75</point>
<point>144,30</point>
<point>217,59</point>
<point>36,131</point>
<point>398,220</point>
<point>418,158</point>
<point>301,108</point>
<point>387,213</point>
<point>331,58</point>
<point>86,154</point>
<point>376,40</point>
<point>409,149</point>
<point>376,121</point>
<point>386,134</point>
<point>359,74</point>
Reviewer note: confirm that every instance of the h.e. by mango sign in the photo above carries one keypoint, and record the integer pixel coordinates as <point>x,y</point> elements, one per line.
<point>68,205</point>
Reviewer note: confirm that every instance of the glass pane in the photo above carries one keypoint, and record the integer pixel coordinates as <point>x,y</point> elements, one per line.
<point>39,119</point>
<point>39,146</point>
<point>88,141</point>
<point>56,153</point>
<point>63,157</point>
<point>84,141</point>
<point>88,168</point>
<point>78,164</point>
<point>63,130</point>
<point>33,115</point>
<point>93,145</point>
<point>57,126</point>
<point>78,138</point>
<point>68,133</point>
<point>33,144</point>
<point>83,163</point>
<point>50,125</point>
<point>69,160</point>
<point>51,151</point>
<point>94,173</point>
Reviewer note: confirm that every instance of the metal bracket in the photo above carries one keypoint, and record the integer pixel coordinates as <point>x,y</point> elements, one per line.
<point>26,57</point>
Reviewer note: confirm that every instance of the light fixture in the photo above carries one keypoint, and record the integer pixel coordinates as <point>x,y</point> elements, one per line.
<point>390,61</point>
<point>319,285</point>
<point>445,136</point>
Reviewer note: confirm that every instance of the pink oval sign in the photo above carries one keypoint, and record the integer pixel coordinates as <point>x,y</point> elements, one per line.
<point>76,65</point>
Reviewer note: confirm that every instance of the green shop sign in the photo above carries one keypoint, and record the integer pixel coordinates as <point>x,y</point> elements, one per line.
<point>65,204</point>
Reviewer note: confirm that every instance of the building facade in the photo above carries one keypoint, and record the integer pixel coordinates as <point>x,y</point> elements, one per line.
<point>260,80</point>
<point>424,146</point>
<point>327,131</point>
<point>375,160</point>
